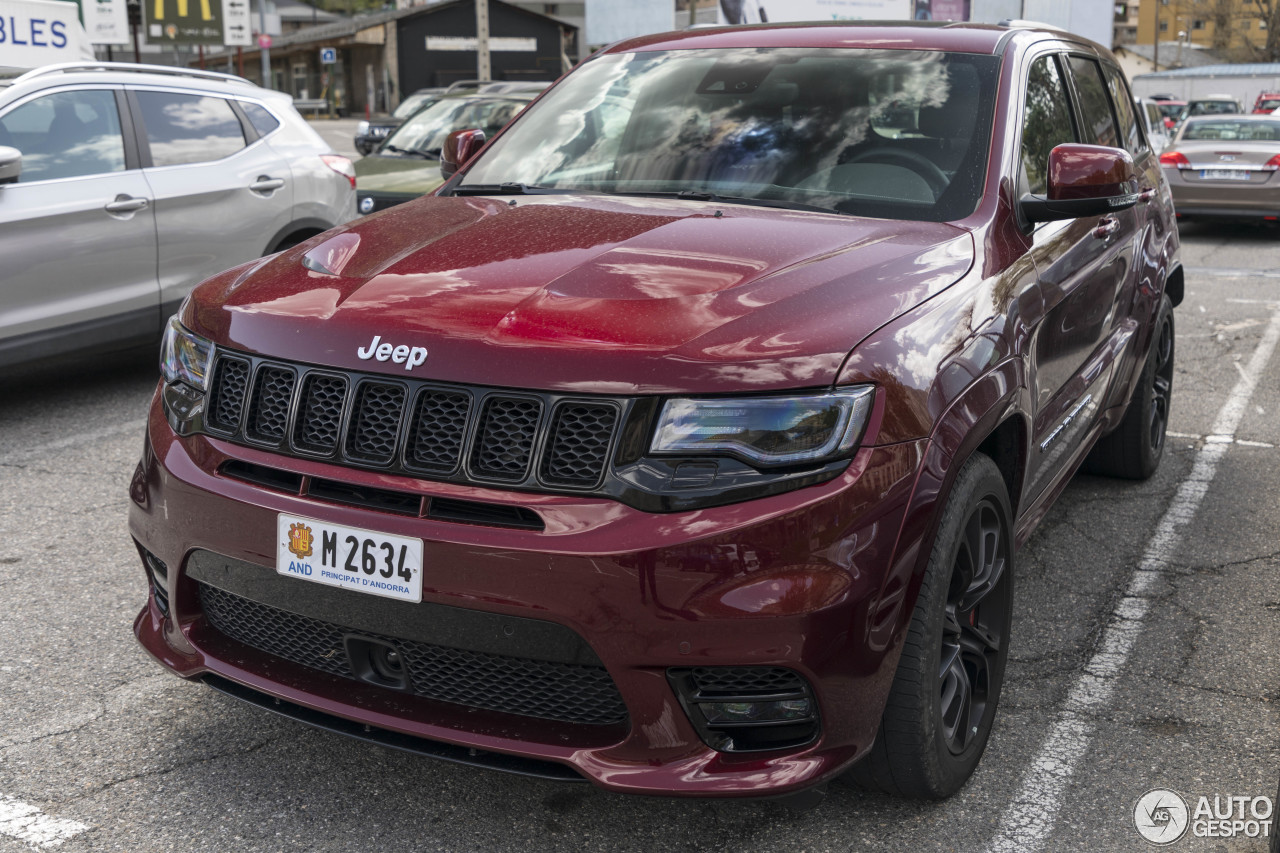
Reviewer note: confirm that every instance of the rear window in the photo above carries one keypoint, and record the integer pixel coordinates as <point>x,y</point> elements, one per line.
<point>260,117</point>
<point>1263,131</point>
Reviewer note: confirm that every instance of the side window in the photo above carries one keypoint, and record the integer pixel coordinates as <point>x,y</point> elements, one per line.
<point>261,118</point>
<point>1097,123</point>
<point>66,135</point>
<point>1046,122</point>
<point>185,128</point>
<point>1134,141</point>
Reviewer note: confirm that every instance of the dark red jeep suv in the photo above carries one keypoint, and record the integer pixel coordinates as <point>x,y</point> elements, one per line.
<point>683,441</point>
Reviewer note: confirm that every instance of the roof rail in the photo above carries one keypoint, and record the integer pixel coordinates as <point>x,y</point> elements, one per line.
<point>1019,23</point>
<point>70,67</point>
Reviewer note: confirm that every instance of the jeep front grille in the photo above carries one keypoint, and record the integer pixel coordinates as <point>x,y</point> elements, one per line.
<point>459,433</point>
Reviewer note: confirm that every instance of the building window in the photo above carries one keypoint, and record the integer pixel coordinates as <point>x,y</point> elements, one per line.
<point>1197,24</point>
<point>1164,26</point>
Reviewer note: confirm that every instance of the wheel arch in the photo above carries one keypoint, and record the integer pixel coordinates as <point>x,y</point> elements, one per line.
<point>989,417</point>
<point>295,232</point>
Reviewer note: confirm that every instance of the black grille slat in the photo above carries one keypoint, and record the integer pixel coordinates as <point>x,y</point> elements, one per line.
<point>269,410</point>
<point>504,439</point>
<point>229,386</point>
<point>573,693</point>
<point>300,639</point>
<point>320,413</point>
<point>746,679</point>
<point>375,424</point>
<point>438,431</point>
<point>579,444</point>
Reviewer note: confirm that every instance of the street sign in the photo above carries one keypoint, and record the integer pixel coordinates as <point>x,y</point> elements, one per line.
<point>106,21</point>
<point>237,29</point>
<point>264,41</point>
<point>328,55</point>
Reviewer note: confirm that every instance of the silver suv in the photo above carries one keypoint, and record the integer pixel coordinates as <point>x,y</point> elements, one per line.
<point>122,186</point>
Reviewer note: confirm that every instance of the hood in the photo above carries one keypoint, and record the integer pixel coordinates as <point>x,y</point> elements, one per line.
<point>408,175</point>
<point>586,293</point>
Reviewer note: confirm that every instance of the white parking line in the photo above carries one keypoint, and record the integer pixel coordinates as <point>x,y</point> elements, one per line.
<point>25,822</point>
<point>1028,823</point>
<point>1243,442</point>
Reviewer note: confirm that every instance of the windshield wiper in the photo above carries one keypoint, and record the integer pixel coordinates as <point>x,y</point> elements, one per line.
<point>508,188</point>
<point>702,195</point>
<point>412,152</point>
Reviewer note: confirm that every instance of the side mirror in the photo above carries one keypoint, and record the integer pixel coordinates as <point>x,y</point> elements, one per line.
<point>1084,180</point>
<point>459,147</point>
<point>10,164</point>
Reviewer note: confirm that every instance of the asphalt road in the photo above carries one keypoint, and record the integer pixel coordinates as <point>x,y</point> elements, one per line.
<point>1146,654</point>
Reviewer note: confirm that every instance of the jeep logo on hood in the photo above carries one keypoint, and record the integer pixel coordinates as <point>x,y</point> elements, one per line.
<point>410,357</point>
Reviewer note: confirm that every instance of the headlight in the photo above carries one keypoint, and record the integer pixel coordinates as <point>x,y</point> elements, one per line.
<point>184,357</point>
<point>766,431</point>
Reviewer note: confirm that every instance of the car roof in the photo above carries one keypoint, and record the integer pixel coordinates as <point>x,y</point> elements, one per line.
<point>79,73</point>
<point>895,35</point>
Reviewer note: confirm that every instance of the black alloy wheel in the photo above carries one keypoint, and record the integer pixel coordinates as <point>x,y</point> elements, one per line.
<point>943,701</point>
<point>975,628</point>
<point>1161,388</point>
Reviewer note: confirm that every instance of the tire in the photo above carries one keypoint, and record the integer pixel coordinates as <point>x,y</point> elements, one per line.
<point>1133,450</point>
<point>945,693</point>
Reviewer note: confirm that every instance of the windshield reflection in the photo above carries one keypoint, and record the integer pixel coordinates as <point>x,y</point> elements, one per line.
<point>887,133</point>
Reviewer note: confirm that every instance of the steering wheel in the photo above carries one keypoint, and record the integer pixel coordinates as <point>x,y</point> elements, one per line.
<point>918,163</point>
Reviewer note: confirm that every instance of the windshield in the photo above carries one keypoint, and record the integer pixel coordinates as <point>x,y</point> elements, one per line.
<point>1243,130</point>
<point>413,103</point>
<point>424,133</point>
<point>886,133</point>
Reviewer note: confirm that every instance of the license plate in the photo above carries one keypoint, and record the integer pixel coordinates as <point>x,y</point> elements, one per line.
<point>349,557</point>
<point>1225,174</point>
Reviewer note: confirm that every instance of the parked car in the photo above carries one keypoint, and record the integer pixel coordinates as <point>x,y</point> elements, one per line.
<point>1212,105</point>
<point>407,164</point>
<point>1152,120</point>
<point>125,185</point>
<point>1234,180</point>
<point>1267,103</point>
<point>1172,111</point>
<point>685,439</point>
<point>371,131</point>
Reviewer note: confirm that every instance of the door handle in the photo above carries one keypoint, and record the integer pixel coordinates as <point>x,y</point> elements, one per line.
<point>266,184</point>
<point>1145,196</point>
<point>1106,228</point>
<point>126,204</point>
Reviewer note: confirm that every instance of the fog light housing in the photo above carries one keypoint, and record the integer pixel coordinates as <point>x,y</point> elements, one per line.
<point>747,708</point>
<point>756,712</point>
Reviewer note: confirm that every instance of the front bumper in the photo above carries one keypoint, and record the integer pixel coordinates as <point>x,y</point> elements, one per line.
<point>814,580</point>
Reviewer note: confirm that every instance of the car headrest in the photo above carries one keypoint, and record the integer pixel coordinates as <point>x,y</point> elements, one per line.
<point>955,117</point>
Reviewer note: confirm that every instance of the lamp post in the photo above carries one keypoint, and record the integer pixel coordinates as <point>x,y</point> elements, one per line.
<point>264,52</point>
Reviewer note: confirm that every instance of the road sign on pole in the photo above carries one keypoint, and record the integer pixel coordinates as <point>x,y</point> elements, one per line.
<point>328,55</point>
<point>237,26</point>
